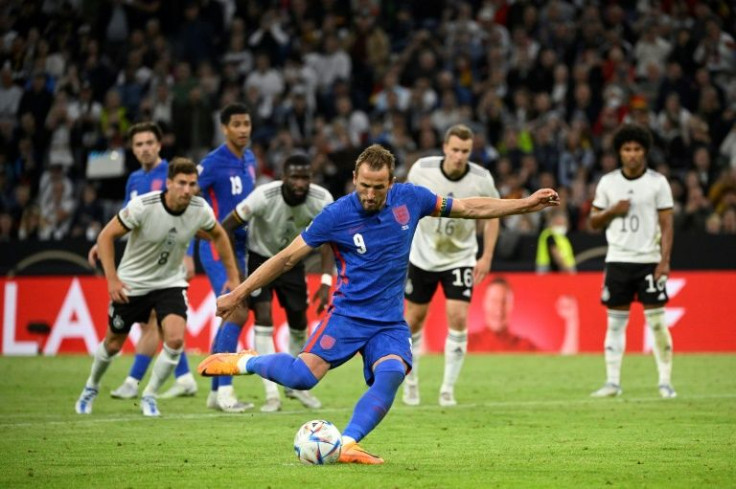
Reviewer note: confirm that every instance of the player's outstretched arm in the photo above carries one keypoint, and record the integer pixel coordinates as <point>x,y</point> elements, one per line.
<point>106,252</point>
<point>488,207</point>
<point>224,249</point>
<point>285,260</point>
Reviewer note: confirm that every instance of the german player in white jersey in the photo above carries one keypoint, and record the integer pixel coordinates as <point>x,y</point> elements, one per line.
<point>276,213</point>
<point>444,251</point>
<point>634,205</point>
<point>151,275</point>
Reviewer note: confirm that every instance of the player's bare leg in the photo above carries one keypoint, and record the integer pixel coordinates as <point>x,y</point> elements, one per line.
<point>146,346</point>
<point>415,315</point>
<point>173,329</point>
<point>456,346</point>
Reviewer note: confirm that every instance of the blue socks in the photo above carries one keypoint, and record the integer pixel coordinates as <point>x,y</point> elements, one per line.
<point>226,341</point>
<point>139,367</point>
<point>283,369</point>
<point>182,368</point>
<point>377,400</point>
<point>142,362</point>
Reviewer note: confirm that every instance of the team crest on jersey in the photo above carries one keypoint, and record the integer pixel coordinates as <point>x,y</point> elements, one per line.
<point>401,214</point>
<point>157,184</point>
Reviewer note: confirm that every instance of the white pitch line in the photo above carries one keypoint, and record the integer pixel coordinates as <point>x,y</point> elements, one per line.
<point>91,419</point>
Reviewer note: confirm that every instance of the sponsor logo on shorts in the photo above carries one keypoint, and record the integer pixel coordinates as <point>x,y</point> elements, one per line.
<point>117,322</point>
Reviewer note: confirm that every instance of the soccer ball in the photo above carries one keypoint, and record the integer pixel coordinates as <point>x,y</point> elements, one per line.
<point>318,442</point>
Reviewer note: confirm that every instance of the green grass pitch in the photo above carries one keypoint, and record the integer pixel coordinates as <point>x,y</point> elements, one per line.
<point>522,421</point>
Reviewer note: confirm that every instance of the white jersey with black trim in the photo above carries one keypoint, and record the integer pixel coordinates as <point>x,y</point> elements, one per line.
<point>443,243</point>
<point>272,223</point>
<point>634,238</point>
<point>159,237</point>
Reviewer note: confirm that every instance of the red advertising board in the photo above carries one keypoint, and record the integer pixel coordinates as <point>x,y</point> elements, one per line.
<point>546,313</point>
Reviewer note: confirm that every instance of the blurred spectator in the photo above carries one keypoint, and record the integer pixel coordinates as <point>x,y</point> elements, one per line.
<point>37,99</point>
<point>30,223</point>
<point>554,250</point>
<point>56,213</point>
<point>695,212</point>
<point>196,37</point>
<point>7,228</point>
<point>89,215</point>
<point>728,220</point>
<point>270,37</point>
<point>269,84</point>
<point>10,97</point>
<point>193,124</point>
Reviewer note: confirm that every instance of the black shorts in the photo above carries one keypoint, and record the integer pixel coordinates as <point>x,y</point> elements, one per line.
<point>290,288</point>
<point>420,286</point>
<point>625,282</point>
<point>121,317</point>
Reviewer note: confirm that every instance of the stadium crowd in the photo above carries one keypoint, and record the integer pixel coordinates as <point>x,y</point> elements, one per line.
<point>544,84</point>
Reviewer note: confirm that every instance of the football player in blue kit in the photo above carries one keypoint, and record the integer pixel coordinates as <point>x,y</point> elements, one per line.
<point>145,141</point>
<point>226,176</point>
<point>370,231</point>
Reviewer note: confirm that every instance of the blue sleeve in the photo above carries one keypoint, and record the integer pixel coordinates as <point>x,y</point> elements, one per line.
<point>318,232</point>
<point>128,189</point>
<point>428,202</point>
<point>190,248</point>
<point>206,176</point>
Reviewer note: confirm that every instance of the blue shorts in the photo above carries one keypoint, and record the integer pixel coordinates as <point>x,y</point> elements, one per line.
<point>214,268</point>
<point>338,338</point>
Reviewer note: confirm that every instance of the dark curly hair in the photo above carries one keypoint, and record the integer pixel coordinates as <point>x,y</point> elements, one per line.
<point>635,133</point>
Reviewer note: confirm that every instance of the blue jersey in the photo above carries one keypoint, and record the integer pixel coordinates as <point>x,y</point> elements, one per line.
<point>225,180</point>
<point>141,182</point>
<point>372,249</point>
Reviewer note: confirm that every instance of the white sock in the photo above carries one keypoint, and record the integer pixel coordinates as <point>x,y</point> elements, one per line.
<point>412,378</point>
<point>99,365</point>
<point>297,337</point>
<point>662,343</point>
<point>456,345</point>
<point>615,344</point>
<point>163,367</point>
<point>264,346</point>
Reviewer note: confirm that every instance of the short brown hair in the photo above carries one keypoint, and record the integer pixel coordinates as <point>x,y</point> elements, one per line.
<point>377,157</point>
<point>460,131</point>
<point>145,127</point>
<point>181,165</point>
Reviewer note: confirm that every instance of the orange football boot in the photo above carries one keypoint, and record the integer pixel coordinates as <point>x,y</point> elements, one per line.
<point>223,364</point>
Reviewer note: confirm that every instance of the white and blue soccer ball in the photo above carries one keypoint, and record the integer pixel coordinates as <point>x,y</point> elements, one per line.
<point>318,442</point>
